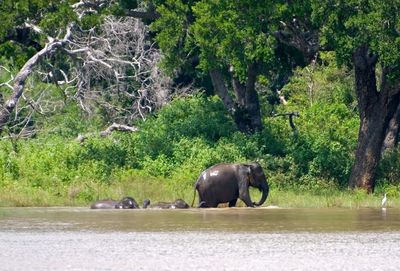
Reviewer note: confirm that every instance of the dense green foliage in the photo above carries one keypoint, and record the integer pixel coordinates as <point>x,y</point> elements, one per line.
<point>17,42</point>
<point>190,134</point>
<point>174,145</point>
<point>224,35</point>
<point>349,24</point>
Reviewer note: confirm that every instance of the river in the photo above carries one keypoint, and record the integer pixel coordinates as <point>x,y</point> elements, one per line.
<point>199,239</point>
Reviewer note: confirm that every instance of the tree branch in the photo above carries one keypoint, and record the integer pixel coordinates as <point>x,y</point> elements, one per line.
<point>108,131</point>
<point>296,34</point>
<point>26,70</point>
<point>221,90</point>
<point>147,15</point>
<point>291,115</point>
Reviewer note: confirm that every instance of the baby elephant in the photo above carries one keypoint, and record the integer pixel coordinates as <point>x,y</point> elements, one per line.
<point>177,204</point>
<point>125,203</point>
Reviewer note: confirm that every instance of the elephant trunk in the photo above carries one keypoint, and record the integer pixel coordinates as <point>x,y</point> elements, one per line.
<point>265,191</point>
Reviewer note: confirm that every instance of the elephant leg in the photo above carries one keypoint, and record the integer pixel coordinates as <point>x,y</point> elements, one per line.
<point>207,204</point>
<point>246,199</point>
<point>232,203</point>
<point>244,193</point>
<point>213,205</point>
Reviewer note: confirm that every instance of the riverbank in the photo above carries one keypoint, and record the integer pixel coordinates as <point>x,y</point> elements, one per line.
<point>21,194</point>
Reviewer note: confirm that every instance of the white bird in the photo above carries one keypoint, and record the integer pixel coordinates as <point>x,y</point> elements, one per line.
<point>383,203</point>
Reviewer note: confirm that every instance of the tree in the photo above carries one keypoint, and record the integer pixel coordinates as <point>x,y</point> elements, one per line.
<point>231,41</point>
<point>99,60</point>
<point>18,17</point>
<point>366,36</point>
<point>116,70</point>
<point>27,24</point>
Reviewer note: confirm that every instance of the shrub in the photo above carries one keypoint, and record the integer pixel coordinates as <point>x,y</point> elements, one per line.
<point>388,174</point>
<point>327,138</point>
<point>185,117</point>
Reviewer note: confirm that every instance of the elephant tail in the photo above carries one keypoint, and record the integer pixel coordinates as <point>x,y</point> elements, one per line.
<point>194,196</point>
<point>194,192</point>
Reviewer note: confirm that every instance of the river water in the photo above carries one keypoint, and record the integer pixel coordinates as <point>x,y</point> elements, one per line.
<point>199,239</point>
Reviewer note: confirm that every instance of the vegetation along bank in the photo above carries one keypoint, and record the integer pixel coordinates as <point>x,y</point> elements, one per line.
<point>137,98</point>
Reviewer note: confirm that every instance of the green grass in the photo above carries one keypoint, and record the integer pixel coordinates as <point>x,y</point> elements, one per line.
<point>337,198</point>
<point>21,194</point>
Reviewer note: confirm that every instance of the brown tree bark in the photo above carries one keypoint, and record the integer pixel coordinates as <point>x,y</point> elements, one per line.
<point>245,108</point>
<point>377,107</point>
<point>248,113</point>
<point>221,90</point>
<point>392,132</point>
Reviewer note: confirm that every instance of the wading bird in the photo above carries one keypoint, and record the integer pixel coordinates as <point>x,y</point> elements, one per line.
<point>383,203</point>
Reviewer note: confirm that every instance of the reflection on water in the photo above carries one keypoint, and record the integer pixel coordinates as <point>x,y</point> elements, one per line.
<point>211,239</point>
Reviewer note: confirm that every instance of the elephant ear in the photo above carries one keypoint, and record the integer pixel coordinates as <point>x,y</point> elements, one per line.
<point>253,169</point>
<point>247,173</point>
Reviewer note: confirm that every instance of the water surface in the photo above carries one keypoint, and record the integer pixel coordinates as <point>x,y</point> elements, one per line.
<point>205,239</point>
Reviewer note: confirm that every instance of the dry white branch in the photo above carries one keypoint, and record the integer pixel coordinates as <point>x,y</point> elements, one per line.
<point>113,67</point>
<point>113,127</point>
<point>20,80</point>
<point>118,70</point>
<point>83,8</point>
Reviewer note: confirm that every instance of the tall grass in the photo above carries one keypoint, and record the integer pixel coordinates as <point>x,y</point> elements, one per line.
<point>20,194</point>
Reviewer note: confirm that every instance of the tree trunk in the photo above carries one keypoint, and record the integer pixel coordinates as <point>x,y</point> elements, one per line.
<point>368,153</point>
<point>376,109</point>
<point>245,109</point>
<point>221,90</point>
<point>392,133</point>
<point>252,101</point>
<point>113,127</point>
<point>248,113</point>
<point>145,15</point>
<point>26,70</point>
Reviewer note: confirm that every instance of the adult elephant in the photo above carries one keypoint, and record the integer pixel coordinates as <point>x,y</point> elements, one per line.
<point>223,183</point>
<point>125,203</point>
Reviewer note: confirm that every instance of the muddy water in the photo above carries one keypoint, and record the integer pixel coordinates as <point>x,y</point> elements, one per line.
<point>211,239</point>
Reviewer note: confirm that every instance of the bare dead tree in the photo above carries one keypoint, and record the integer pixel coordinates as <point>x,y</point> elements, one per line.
<point>17,83</point>
<point>118,63</point>
<point>112,66</point>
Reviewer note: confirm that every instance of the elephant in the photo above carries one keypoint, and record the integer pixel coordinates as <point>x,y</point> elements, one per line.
<point>177,204</point>
<point>226,182</point>
<point>146,203</point>
<point>125,203</point>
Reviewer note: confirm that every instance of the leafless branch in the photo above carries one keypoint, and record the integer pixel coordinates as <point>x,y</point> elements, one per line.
<point>85,7</point>
<point>108,131</point>
<point>20,80</point>
<point>118,63</point>
<point>113,67</point>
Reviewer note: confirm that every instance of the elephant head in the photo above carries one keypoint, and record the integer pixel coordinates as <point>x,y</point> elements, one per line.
<point>256,178</point>
<point>180,204</point>
<point>146,203</point>
<point>127,203</point>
